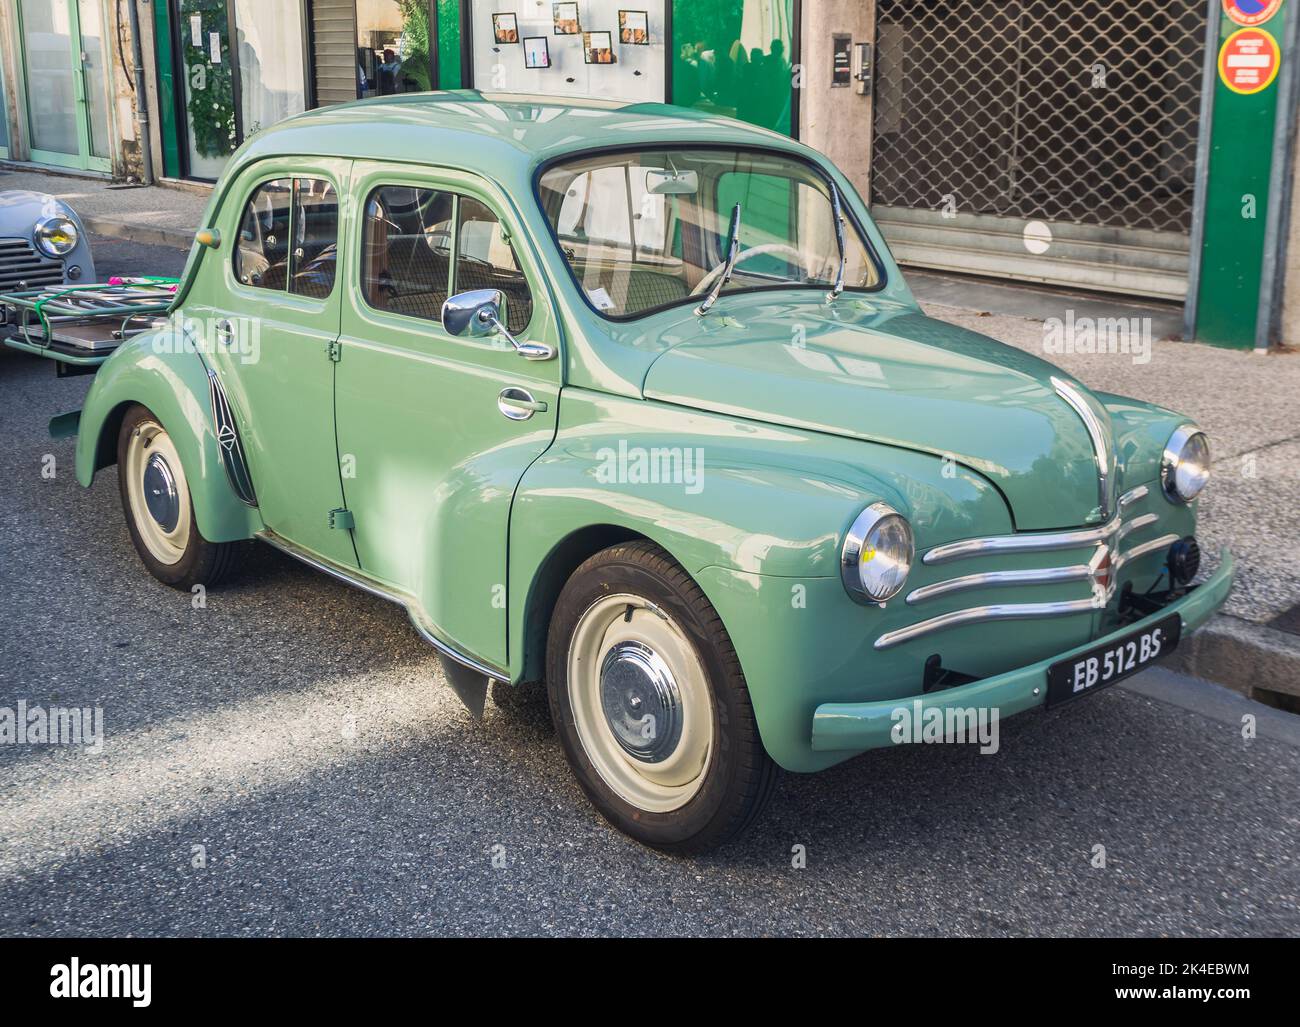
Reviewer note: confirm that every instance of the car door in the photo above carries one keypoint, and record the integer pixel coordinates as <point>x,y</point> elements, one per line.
<point>430,458</point>
<point>271,328</point>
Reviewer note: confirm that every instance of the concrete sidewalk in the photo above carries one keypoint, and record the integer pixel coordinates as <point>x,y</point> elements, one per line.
<point>1246,402</point>
<point>157,215</point>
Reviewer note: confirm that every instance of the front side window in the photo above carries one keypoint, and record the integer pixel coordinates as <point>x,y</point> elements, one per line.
<point>288,237</point>
<point>420,246</point>
<point>647,230</point>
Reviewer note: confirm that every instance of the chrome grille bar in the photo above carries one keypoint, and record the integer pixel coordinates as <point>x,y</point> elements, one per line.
<point>1142,550</point>
<point>1039,543</point>
<point>1079,572</point>
<point>1136,524</point>
<point>1106,537</point>
<point>1005,611</point>
<point>1132,496</point>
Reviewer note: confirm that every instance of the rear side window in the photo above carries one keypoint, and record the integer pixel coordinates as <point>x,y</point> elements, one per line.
<point>288,237</point>
<point>420,246</point>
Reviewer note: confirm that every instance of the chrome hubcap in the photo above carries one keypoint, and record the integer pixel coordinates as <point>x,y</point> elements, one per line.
<point>641,702</point>
<point>160,495</point>
<point>642,705</point>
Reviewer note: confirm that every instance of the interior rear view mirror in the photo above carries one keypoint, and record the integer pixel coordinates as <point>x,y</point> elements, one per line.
<point>672,183</point>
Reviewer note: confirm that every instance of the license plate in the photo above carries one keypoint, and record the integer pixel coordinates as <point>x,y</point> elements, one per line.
<point>1097,668</point>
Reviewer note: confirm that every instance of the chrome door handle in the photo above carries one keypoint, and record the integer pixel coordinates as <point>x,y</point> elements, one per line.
<point>518,404</point>
<point>225,332</point>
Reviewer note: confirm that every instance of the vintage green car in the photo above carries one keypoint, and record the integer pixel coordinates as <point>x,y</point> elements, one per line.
<point>633,400</point>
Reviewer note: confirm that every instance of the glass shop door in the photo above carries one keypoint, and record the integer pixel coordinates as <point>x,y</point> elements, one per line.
<point>65,82</point>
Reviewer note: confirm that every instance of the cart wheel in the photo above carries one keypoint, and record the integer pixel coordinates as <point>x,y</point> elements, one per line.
<point>159,511</point>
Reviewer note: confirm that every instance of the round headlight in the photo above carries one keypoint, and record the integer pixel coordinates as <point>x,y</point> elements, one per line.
<point>1185,468</point>
<point>877,554</point>
<point>55,236</point>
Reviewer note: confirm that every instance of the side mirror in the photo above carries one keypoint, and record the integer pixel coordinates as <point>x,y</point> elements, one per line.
<point>208,237</point>
<point>474,314</point>
<point>477,314</point>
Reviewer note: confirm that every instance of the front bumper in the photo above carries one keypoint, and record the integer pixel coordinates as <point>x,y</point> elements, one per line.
<point>854,727</point>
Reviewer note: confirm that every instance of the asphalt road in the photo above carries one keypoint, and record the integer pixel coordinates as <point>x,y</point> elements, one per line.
<point>300,734</point>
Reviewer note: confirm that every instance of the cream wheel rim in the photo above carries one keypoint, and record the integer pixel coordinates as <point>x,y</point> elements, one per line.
<point>157,492</point>
<point>641,702</point>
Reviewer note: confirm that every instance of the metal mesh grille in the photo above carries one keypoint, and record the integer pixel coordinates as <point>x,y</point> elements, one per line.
<point>1069,111</point>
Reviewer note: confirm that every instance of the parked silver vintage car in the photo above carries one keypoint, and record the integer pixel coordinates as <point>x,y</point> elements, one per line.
<point>42,242</point>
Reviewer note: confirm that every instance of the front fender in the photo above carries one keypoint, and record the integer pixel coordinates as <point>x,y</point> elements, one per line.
<point>758,524</point>
<point>160,372</point>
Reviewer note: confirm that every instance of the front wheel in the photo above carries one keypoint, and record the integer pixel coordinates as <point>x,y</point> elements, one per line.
<point>159,510</point>
<point>650,703</point>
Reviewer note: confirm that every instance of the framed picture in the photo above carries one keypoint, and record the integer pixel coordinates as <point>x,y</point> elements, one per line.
<point>565,19</point>
<point>537,52</point>
<point>634,28</point>
<point>598,47</point>
<point>505,28</point>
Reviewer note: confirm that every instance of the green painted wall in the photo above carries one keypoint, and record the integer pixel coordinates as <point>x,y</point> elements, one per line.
<point>449,63</point>
<point>162,30</point>
<point>1236,202</point>
<point>749,75</point>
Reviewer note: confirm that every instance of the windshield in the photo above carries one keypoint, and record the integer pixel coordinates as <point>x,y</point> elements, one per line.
<point>647,230</point>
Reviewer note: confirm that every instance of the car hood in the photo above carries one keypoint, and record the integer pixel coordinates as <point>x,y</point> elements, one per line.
<point>884,372</point>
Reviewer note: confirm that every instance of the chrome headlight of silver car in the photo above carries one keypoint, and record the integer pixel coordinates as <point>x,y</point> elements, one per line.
<point>1185,467</point>
<point>55,236</point>
<point>877,554</point>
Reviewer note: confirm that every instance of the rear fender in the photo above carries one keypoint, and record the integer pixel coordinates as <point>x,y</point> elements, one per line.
<point>160,372</point>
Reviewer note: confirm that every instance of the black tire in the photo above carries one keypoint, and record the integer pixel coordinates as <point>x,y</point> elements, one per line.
<point>739,777</point>
<point>202,562</point>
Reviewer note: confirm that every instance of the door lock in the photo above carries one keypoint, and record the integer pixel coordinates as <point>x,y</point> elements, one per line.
<point>225,332</point>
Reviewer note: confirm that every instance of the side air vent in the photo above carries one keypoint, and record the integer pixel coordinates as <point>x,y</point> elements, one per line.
<point>228,443</point>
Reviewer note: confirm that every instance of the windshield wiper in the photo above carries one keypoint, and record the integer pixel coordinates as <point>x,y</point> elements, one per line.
<point>733,250</point>
<point>838,213</point>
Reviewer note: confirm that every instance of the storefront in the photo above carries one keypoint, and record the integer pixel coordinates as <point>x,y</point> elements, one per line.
<point>227,68</point>
<point>62,84</point>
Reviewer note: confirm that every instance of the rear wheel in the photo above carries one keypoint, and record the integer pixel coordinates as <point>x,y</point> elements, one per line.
<point>159,509</point>
<point>650,703</point>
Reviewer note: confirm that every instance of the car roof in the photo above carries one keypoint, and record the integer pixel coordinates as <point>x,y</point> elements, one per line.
<point>495,134</point>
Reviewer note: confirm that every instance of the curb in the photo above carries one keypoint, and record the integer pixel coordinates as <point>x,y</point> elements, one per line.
<point>1246,657</point>
<point>138,233</point>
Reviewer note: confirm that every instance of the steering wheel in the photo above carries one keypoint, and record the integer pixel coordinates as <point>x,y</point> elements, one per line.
<point>706,282</point>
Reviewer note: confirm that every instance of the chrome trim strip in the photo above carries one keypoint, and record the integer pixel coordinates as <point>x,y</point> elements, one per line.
<point>1105,479</point>
<point>1027,543</point>
<point>1133,495</point>
<point>1136,524</point>
<point>230,448</point>
<point>1079,572</point>
<point>980,614</point>
<point>1142,550</point>
<point>400,598</point>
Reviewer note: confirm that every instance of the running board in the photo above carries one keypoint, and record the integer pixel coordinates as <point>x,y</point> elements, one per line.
<point>467,676</point>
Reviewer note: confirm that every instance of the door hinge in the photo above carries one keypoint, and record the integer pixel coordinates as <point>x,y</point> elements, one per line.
<point>342,520</point>
<point>335,350</point>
